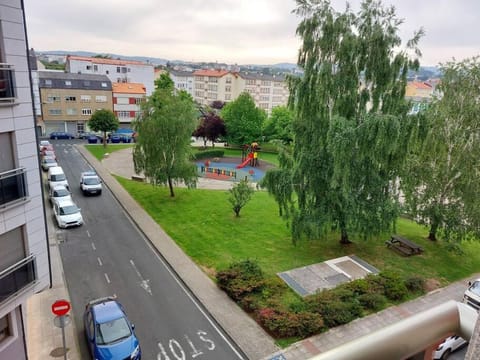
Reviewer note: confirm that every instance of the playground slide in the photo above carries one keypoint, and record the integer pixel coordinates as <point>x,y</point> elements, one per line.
<point>243,164</point>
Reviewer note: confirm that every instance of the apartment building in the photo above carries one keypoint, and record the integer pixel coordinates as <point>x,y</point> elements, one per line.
<point>24,259</point>
<point>182,80</point>
<point>127,100</point>
<point>117,70</point>
<point>215,85</point>
<point>69,100</point>
<point>268,91</point>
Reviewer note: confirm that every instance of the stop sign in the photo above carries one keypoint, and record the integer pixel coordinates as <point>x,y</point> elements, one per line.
<point>60,307</point>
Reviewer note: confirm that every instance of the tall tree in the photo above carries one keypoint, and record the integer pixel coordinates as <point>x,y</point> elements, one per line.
<point>103,120</point>
<point>441,182</point>
<point>210,128</point>
<point>240,195</point>
<point>279,125</point>
<point>243,120</point>
<point>164,82</point>
<point>349,120</point>
<point>162,150</point>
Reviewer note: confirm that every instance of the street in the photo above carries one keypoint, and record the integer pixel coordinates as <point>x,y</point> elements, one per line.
<point>109,256</point>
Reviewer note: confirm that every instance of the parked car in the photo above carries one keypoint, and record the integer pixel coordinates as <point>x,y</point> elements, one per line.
<point>109,333</point>
<point>59,193</point>
<point>92,139</point>
<point>47,163</point>
<point>85,135</point>
<point>90,183</point>
<point>114,138</point>
<point>448,346</point>
<point>472,294</point>
<point>56,176</point>
<point>45,144</point>
<point>61,135</point>
<point>49,153</point>
<point>67,214</point>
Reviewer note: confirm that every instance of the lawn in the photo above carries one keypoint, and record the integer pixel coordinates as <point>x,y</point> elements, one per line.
<point>99,150</point>
<point>211,235</point>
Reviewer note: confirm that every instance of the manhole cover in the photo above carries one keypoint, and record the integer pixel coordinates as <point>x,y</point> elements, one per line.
<point>59,352</point>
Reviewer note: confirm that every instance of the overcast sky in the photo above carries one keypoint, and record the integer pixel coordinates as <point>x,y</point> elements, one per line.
<point>230,31</point>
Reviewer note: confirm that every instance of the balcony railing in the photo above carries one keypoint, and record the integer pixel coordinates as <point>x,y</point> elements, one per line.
<point>7,84</point>
<point>17,277</point>
<point>13,187</point>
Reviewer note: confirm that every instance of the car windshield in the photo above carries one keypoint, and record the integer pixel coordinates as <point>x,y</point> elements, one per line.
<point>112,331</point>
<point>58,177</point>
<point>68,209</point>
<point>61,193</point>
<point>49,161</point>
<point>91,181</point>
<point>475,288</point>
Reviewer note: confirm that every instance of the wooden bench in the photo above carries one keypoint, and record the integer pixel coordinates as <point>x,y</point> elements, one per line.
<point>404,246</point>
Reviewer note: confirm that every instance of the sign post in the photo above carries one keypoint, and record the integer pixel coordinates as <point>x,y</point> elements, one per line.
<point>61,308</point>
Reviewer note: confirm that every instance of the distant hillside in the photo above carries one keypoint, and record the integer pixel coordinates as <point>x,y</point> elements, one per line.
<point>146,59</point>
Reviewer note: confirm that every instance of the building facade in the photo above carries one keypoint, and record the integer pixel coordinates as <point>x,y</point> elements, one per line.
<point>127,99</point>
<point>24,259</point>
<point>122,71</point>
<point>69,100</point>
<point>268,91</point>
<point>182,80</point>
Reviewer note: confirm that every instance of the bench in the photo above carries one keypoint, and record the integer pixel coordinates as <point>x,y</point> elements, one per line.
<point>403,245</point>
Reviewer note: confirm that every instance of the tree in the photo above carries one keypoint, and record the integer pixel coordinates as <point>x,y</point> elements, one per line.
<point>240,195</point>
<point>243,120</point>
<point>210,128</point>
<point>217,104</point>
<point>165,82</point>
<point>441,182</point>
<point>279,125</point>
<point>162,150</point>
<point>103,120</point>
<point>350,124</point>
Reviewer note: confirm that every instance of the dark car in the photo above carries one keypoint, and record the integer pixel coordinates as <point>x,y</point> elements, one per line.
<point>61,135</point>
<point>109,333</point>
<point>114,138</point>
<point>85,135</point>
<point>92,139</point>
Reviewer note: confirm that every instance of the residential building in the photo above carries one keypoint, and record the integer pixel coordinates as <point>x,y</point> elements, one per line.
<point>127,99</point>
<point>182,80</point>
<point>24,259</point>
<point>420,94</point>
<point>117,70</point>
<point>268,91</point>
<point>69,100</point>
<point>215,85</point>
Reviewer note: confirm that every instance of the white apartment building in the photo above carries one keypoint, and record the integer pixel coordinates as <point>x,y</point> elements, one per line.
<point>121,71</point>
<point>183,80</point>
<point>24,259</point>
<point>127,99</point>
<point>268,91</point>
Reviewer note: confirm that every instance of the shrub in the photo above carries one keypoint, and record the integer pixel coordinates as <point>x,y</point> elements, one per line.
<point>287,324</point>
<point>339,313</point>
<point>208,154</point>
<point>249,303</point>
<point>415,284</point>
<point>393,285</point>
<point>372,301</point>
<point>359,286</point>
<point>240,279</point>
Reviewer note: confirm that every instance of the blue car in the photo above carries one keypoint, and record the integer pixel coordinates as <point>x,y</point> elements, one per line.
<point>61,135</point>
<point>92,139</point>
<point>110,335</point>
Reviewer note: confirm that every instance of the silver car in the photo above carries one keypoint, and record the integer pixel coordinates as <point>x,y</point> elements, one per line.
<point>67,214</point>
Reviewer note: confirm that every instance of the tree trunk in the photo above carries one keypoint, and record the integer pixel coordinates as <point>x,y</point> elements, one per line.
<point>170,186</point>
<point>432,234</point>
<point>344,234</point>
<point>105,139</point>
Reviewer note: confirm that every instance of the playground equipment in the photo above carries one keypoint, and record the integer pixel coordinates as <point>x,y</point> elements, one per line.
<point>249,155</point>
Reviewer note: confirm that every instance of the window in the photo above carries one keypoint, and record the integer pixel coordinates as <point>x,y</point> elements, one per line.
<point>212,87</point>
<point>212,96</point>
<point>101,98</point>
<point>200,86</point>
<point>118,69</point>
<point>86,111</point>
<point>80,127</point>
<point>104,84</point>
<point>86,83</point>
<point>138,101</point>
<point>85,98</point>
<point>122,101</point>
<point>53,98</point>
<point>228,80</point>
<point>228,88</point>
<point>95,68</point>
<point>107,72</point>
<point>264,98</point>
<point>265,90</point>
<point>250,82</point>
<point>198,93</point>
<point>124,114</point>
<point>212,79</point>
<point>124,70</point>
<point>7,161</point>
<point>70,98</point>
<point>55,111</point>
<point>68,83</point>
<point>13,247</point>
<point>228,97</point>
<point>89,67</point>
<point>266,83</point>
<point>48,82</point>
<point>71,111</point>
<point>8,330</point>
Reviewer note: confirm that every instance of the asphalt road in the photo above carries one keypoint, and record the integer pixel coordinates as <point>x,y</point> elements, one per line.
<point>109,256</point>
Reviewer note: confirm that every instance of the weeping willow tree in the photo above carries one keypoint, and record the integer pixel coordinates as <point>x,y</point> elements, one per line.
<point>350,126</point>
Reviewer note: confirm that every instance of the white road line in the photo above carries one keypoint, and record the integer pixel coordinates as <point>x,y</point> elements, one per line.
<point>144,283</point>
<point>93,246</point>
<point>99,261</point>
<point>107,278</point>
<point>88,233</point>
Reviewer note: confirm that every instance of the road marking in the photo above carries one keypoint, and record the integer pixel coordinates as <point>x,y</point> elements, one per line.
<point>99,261</point>
<point>106,277</point>
<point>88,233</point>
<point>93,246</point>
<point>144,283</point>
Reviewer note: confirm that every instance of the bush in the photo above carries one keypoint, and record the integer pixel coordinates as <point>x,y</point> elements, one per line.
<point>339,313</point>
<point>393,286</point>
<point>415,284</point>
<point>287,324</point>
<point>240,279</point>
<point>359,286</point>
<point>374,302</point>
<point>207,154</point>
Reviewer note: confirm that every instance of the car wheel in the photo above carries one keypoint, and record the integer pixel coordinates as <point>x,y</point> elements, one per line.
<point>446,354</point>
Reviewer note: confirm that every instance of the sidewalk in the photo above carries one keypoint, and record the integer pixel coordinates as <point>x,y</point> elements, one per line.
<point>44,339</point>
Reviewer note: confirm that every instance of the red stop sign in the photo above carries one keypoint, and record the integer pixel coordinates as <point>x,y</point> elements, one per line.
<point>60,307</point>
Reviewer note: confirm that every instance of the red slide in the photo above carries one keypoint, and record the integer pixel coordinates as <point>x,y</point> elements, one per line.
<point>243,164</point>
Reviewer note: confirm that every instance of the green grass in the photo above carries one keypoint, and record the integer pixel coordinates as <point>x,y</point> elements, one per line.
<point>98,150</point>
<point>203,224</point>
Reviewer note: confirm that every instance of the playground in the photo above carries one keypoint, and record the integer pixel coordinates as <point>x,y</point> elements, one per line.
<point>226,168</point>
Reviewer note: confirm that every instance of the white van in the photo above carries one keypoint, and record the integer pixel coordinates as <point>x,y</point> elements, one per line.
<point>472,294</point>
<point>56,176</point>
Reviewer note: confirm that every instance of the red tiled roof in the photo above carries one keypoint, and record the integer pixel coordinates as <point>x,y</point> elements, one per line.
<point>421,85</point>
<point>105,61</point>
<point>128,88</point>
<point>216,73</point>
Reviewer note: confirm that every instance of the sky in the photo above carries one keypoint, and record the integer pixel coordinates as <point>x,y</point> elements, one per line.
<point>230,31</point>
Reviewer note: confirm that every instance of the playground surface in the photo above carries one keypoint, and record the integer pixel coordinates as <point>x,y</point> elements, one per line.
<point>226,168</point>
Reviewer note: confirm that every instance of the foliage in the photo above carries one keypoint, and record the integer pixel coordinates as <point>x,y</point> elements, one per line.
<point>240,279</point>
<point>243,120</point>
<point>218,105</point>
<point>372,301</point>
<point>349,121</point>
<point>162,151</point>
<point>286,324</point>
<point>279,125</point>
<point>211,127</point>
<point>209,154</point>
<point>103,120</point>
<point>240,195</point>
<point>441,180</point>
<point>164,82</point>
<point>53,65</point>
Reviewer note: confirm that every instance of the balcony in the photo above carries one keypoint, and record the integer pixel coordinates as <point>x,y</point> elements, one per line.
<point>7,84</point>
<point>13,187</point>
<point>17,278</point>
